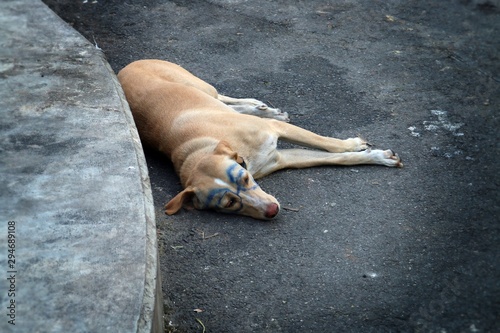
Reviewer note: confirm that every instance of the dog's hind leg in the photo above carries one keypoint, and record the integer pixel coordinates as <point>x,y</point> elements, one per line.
<point>253,107</point>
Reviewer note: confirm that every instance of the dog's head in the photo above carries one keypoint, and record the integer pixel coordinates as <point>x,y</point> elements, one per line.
<point>220,181</point>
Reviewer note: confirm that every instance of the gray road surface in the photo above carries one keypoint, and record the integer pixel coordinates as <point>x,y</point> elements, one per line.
<point>362,249</point>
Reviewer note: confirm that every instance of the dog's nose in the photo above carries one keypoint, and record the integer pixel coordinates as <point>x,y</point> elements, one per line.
<point>272,210</point>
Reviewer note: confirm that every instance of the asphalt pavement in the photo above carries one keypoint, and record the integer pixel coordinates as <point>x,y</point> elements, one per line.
<point>357,249</point>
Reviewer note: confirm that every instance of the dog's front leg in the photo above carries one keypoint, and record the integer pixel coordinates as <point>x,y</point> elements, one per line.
<point>302,137</point>
<point>303,158</point>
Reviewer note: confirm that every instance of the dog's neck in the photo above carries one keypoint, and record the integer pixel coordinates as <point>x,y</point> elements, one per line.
<point>186,156</point>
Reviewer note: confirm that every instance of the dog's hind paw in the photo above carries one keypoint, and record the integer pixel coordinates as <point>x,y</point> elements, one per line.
<point>260,110</point>
<point>264,111</point>
<point>276,114</point>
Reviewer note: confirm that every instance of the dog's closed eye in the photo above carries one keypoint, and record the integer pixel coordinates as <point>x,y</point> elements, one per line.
<point>245,180</point>
<point>230,203</point>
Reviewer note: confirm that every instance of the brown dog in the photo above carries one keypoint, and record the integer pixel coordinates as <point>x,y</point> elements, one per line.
<point>218,152</point>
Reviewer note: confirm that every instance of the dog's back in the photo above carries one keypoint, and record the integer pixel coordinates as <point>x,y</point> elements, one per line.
<point>166,71</point>
<point>157,94</point>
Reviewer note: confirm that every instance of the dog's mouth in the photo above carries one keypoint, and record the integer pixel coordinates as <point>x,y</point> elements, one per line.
<point>244,203</point>
<point>260,211</point>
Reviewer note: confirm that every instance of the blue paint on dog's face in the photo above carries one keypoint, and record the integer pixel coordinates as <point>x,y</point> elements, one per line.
<point>219,182</point>
<point>227,193</point>
<point>240,177</point>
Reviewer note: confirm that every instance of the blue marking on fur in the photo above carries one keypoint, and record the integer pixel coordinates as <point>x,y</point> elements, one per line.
<point>235,180</point>
<point>212,194</point>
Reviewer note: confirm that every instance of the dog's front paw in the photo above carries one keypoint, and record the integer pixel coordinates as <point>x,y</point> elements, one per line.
<point>394,158</point>
<point>386,157</point>
<point>363,144</point>
<point>358,144</point>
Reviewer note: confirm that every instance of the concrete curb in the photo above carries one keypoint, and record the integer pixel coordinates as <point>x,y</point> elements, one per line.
<point>151,318</point>
<point>76,206</point>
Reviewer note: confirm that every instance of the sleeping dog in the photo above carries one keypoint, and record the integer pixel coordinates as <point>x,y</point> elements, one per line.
<point>219,145</point>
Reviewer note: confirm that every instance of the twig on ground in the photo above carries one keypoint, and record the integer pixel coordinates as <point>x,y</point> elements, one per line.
<point>202,234</point>
<point>201,323</point>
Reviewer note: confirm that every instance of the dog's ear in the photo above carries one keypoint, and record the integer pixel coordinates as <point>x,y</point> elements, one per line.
<point>223,148</point>
<point>174,205</point>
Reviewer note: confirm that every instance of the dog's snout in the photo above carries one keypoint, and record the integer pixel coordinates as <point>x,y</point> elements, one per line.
<point>272,210</point>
